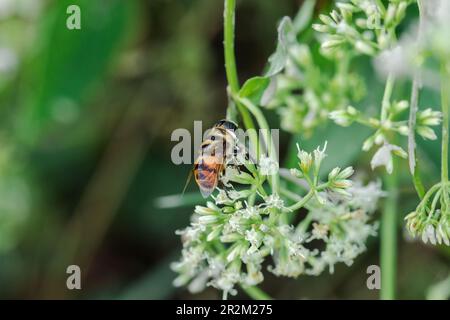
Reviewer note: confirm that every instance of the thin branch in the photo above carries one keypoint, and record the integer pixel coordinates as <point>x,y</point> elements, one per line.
<point>413,165</point>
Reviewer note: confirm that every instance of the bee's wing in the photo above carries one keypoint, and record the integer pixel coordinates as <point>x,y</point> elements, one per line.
<point>206,192</point>
<point>213,179</point>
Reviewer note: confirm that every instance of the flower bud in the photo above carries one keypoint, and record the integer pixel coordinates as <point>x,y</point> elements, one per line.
<point>390,15</point>
<point>322,28</point>
<point>347,172</point>
<point>333,174</point>
<point>426,132</point>
<point>327,20</point>
<point>364,47</point>
<point>400,14</point>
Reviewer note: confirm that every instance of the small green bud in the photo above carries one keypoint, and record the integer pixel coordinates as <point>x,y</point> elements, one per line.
<point>400,14</point>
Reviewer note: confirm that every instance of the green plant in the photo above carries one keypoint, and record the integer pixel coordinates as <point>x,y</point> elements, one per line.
<point>229,239</point>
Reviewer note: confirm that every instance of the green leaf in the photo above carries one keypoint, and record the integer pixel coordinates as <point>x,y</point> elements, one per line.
<point>304,15</point>
<point>277,60</point>
<point>254,88</point>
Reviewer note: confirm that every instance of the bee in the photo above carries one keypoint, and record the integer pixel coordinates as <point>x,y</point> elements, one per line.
<point>216,152</point>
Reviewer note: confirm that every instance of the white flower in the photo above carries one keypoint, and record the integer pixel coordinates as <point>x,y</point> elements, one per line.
<point>366,197</point>
<point>250,212</point>
<point>190,234</point>
<point>188,265</point>
<point>210,209</point>
<point>319,232</point>
<point>198,284</point>
<point>319,155</point>
<point>296,249</point>
<point>253,276</point>
<point>236,251</point>
<point>223,198</point>
<point>226,280</point>
<point>383,157</point>
<point>236,222</point>
<point>285,230</point>
<point>268,166</point>
<point>305,158</point>
<point>317,266</point>
<point>208,219</point>
<point>429,234</point>
<point>344,117</point>
<point>329,257</point>
<point>442,234</point>
<point>274,201</point>
<point>254,238</point>
<point>285,266</point>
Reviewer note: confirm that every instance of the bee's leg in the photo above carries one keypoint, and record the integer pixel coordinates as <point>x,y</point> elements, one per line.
<point>227,194</point>
<point>225,189</point>
<point>233,165</point>
<point>236,166</point>
<point>246,156</point>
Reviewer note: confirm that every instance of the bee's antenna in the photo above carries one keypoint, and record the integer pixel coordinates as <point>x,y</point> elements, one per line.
<point>187,182</point>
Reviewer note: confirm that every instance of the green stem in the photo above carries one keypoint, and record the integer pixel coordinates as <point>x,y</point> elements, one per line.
<point>388,255</point>
<point>367,123</point>
<point>413,163</point>
<point>413,108</point>
<point>290,195</point>
<point>387,97</point>
<point>445,86</point>
<point>302,202</point>
<point>252,197</point>
<point>230,61</point>
<point>381,6</point>
<point>256,293</point>
<point>417,180</point>
<point>262,123</point>
<point>304,224</point>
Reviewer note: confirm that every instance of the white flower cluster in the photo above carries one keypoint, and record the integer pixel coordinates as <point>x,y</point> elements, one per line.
<point>300,99</point>
<point>20,15</point>
<point>388,124</point>
<point>344,226</point>
<point>364,26</point>
<point>431,219</point>
<point>228,241</point>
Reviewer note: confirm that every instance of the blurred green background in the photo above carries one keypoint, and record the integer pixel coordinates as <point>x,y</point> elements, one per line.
<point>86,118</point>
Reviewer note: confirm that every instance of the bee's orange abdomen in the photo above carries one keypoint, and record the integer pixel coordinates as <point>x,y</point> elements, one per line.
<point>206,173</point>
